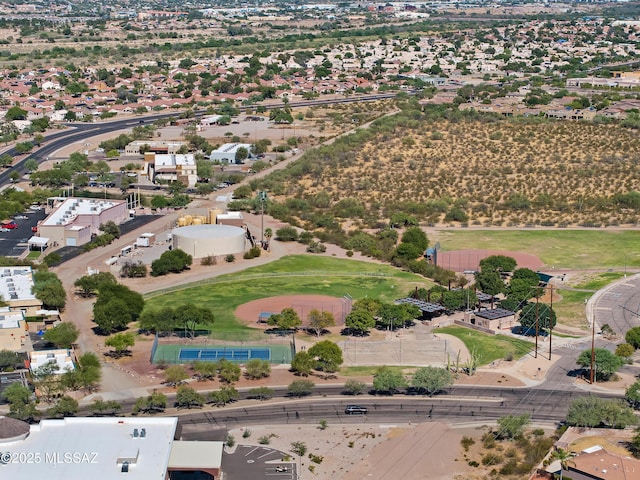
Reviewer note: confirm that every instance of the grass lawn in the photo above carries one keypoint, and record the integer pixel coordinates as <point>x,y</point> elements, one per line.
<point>488,347</point>
<point>570,309</point>
<point>33,255</point>
<point>574,249</point>
<point>291,275</point>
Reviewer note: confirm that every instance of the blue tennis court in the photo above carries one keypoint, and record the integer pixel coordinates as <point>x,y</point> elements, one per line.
<point>231,354</point>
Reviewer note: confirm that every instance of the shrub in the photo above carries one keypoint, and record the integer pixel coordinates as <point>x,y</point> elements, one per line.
<point>264,440</point>
<point>208,261</point>
<point>466,442</point>
<point>230,258</point>
<point>231,441</point>
<point>246,433</point>
<point>253,252</point>
<point>316,247</point>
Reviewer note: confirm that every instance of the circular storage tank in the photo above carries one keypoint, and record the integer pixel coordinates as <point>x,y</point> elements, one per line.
<point>203,240</point>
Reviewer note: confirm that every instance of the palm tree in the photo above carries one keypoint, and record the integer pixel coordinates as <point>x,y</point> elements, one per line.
<point>564,457</point>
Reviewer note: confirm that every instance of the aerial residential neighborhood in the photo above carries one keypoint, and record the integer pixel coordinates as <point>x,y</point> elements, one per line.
<point>319,240</point>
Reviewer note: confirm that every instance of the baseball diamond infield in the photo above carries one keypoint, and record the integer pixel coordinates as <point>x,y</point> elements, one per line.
<point>302,304</point>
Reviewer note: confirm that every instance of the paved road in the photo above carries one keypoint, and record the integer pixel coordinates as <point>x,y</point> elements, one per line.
<point>618,305</point>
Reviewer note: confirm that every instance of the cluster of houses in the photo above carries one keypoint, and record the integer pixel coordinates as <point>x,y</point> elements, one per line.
<point>368,66</point>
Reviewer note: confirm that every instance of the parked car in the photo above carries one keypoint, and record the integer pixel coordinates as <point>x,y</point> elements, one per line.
<point>34,229</point>
<point>21,217</point>
<point>2,229</point>
<point>10,225</point>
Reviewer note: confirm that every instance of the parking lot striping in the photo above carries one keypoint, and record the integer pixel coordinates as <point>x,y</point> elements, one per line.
<point>270,452</point>
<point>252,450</point>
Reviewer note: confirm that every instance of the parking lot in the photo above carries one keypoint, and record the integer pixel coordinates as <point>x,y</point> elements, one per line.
<point>257,463</point>
<point>14,242</point>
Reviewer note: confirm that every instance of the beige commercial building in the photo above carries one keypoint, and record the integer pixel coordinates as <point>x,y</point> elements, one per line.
<point>73,221</point>
<point>13,331</point>
<point>16,289</point>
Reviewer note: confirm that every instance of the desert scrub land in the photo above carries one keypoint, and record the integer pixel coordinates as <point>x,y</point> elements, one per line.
<point>443,166</point>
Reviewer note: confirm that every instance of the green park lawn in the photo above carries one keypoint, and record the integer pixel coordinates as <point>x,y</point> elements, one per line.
<point>291,275</point>
<point>573,249</point>
<point>488,347</point>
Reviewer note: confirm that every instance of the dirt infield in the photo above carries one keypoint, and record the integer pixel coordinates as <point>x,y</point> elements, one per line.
<point>302,304</point>
<point>467,260</point>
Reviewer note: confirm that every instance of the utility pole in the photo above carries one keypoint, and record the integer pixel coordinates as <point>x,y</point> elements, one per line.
<point>593,350</point>
<point>550,321</point>
<point>262,196</point>
<point>537,318</point>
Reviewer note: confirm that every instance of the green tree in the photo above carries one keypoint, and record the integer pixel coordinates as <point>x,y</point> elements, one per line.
<point>256,369</point>
<point>287,319</point>
<point>512,426</point>
<point>15,113</point>
<point>489,281</point>
<point>110,228</point>
<point>632,394</point>
<point>226,394</point>
<point>228,372</point>
<point>175,375</point>
<point>302,363</point>
<point>107,408</point>
<point>241,154</point>
<point>187,397</point>
<point>634,445</point>
<point>360,321</point>
<point>8,360</point>
<point>48,288</point>
<point>300,388</point>
<point>388,380</point>
<point>605,362</point>
<point>16,393</point>
<point>633,337</point>
<point>417,237</point>
<point>590,411</point>
<point>354,387</point>
<point>5,160</point>
<point>174,261</point>
<point>545,316</point>
<point>624,350</point>
<point>64,407</point>
<point>327,356</point>
<point>120,343</point>
<point>89,285</point>
<point>499,263</point>
<point>320,320</point>
<point>62,335</point>
<point>192,318</point>
<point>31,165</point>
<point>205,370</point>
<point>368,304</point>
<point>154,403</point>
<point>564,457</point>
<point>158,320</point>
<point>431,380</point>
<point>115,307</point>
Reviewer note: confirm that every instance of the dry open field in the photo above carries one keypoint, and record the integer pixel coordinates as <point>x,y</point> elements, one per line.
<point>499,172</point>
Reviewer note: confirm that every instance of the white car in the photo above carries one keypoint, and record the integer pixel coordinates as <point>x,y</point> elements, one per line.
<point>3,229</point>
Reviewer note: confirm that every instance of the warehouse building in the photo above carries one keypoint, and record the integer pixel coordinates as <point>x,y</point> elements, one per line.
<point>172,168</point>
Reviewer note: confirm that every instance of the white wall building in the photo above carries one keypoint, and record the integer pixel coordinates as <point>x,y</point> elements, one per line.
<point>227,152</point>
<point>131,448</point>
<point>13,331</point>
<point>61,357</point>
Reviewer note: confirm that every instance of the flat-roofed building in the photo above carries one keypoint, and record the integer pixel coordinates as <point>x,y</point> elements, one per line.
<point>62,357</point>
<point>16,288</point>
<point>132,448</point>
<point>173,168</point>
<point>13,331</point>
<point>227,153</point>
<point>74,220</point>
<point>138,146</point>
